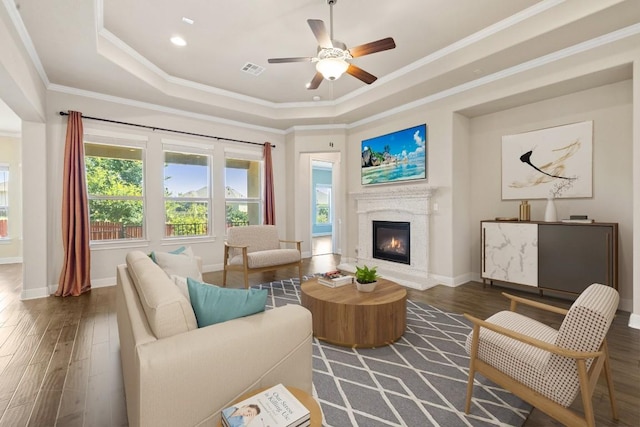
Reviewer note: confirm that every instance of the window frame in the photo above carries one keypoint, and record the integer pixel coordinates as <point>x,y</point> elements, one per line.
<point>188,148</point>
<point>249,156</point>
<point>113,139</point>
<point>329,204</point>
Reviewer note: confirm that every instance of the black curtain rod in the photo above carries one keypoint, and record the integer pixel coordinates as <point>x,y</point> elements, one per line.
<point>153,128</point>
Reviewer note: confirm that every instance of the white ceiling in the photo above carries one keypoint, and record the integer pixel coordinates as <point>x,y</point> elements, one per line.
<point>121,48</point>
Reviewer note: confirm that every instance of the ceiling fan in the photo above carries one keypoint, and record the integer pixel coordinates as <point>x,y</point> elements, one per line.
<point>333,56</point>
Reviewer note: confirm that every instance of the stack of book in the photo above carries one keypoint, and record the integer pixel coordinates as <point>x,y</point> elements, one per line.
<point>579,219</point>
<point>273,407</point>
<point>334,279</point>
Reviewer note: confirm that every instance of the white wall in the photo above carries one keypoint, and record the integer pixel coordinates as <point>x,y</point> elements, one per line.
<point>35,221</point>
<point>635,264</point>
<point>610,108</point>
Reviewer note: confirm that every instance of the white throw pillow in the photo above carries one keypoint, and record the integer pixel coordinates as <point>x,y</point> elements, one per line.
<point>183,264</point>
<point>181,283</point>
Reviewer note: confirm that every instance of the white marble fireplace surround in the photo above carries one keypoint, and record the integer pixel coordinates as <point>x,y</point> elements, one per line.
<point>406,204</point>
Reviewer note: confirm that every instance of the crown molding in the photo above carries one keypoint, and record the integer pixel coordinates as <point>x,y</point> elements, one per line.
<point>159,108</point>
<point>18,24</point>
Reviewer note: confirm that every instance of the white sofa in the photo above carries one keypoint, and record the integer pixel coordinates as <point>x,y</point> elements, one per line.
<point>176,374</point>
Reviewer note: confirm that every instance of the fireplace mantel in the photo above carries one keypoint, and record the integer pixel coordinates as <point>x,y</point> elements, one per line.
<point>406,192</point>
<point>410,203</point>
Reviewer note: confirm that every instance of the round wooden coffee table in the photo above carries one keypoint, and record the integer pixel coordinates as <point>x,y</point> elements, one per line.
<point>305,398</point>
<point>348,317</point>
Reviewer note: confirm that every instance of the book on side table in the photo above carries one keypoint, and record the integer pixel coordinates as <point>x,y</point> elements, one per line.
<point>334,279</point>
<point>273,407</point>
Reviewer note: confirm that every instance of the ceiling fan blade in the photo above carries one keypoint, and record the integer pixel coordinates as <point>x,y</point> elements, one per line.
<point>315,81</point>
<point>282,60</point>
<point>373,47</point>
<point>317,26</point>
<point>361,74</point>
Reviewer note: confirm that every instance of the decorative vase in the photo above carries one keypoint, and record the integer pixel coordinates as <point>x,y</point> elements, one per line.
<point>550,213</point>
<point>366,287</point>
<point>525,211</point>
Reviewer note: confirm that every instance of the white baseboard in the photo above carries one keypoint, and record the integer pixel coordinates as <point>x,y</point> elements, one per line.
<point>11,260</point>
<point>634,321</point>
<point>36,293</point>
<point>212,267</point>
<point>452,281</point>
<point>103,283</point>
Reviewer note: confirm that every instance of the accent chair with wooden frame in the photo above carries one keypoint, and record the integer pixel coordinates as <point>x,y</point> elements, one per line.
<point>546,367</point>
<point>257,248</point>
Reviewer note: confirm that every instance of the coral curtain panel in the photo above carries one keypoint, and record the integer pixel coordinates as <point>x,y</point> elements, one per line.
<point>269,198</point>
<point>75,277</point>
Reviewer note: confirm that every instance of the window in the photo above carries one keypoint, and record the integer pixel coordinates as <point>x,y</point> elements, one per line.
<point>243,190</point>
<point>114,184</point>
<point>4,201</point>
<point>186,193</point>
<point>323,204</point>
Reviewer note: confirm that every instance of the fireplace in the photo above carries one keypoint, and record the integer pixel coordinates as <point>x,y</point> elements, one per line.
<point>392,241</point>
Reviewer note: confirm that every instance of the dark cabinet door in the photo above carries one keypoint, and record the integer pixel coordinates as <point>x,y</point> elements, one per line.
<point>573,256</point>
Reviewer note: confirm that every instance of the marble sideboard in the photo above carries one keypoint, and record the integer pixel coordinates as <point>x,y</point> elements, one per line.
<point>564,257</point>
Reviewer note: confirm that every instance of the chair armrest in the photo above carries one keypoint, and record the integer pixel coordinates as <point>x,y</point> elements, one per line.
<point>297,242</point>
<point>515,300</point>
<point>533,341</point>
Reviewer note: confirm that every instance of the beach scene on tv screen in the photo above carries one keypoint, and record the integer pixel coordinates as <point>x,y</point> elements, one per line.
<point>398,156</point>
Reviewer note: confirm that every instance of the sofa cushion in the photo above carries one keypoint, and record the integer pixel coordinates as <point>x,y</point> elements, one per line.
<point>182,263</point>
<point>268,258</point>
<point>213,304</point>
<point>168,312</point>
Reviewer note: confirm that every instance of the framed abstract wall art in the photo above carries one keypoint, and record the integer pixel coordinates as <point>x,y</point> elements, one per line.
<point>395,157</point>
<point>554,162</point>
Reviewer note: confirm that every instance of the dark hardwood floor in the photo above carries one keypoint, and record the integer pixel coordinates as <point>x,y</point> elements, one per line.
<point>60,365</point>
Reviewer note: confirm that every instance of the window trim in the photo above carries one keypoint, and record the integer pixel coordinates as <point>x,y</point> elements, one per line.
<point>250,156</point>
<point>187,147</point>
<point>113,139</point>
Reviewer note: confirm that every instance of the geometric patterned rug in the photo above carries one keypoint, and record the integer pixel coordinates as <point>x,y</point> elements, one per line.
<point>420,380</point>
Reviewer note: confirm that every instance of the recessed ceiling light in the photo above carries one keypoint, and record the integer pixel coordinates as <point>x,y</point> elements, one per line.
<point>316,98</point>
<point>187,20</point>
<point>178,41</point>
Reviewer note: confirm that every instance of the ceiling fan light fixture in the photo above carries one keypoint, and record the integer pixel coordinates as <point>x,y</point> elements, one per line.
<point>332,68</point>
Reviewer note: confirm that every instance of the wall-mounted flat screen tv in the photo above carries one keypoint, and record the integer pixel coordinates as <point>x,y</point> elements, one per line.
<point>395,157</point>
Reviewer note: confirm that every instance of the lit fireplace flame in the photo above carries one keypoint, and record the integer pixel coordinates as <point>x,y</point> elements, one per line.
<point>394,245</point>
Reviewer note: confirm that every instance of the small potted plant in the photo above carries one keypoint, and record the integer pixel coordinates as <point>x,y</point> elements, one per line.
<point>366,278</point>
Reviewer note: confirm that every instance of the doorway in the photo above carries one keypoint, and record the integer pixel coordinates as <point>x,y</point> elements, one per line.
<point>322,207</point>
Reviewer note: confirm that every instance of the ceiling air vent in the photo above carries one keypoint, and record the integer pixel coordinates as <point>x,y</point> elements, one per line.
<point>252,69</point>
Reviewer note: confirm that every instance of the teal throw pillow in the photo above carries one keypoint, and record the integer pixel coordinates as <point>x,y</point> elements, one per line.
<point>213,304</point>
